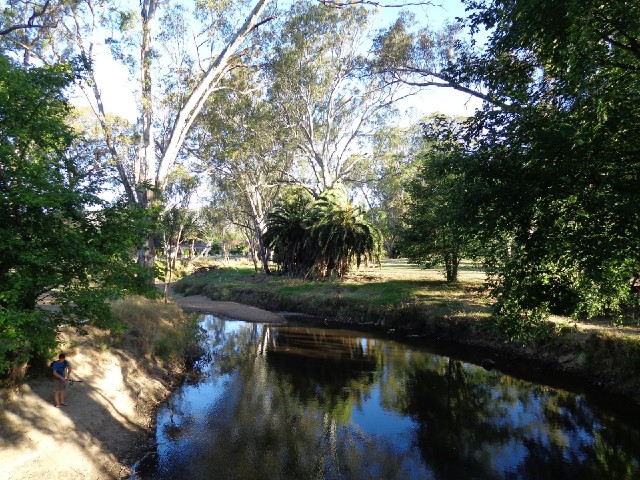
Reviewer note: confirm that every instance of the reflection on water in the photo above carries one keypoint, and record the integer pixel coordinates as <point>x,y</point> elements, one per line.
<point>283,402</point>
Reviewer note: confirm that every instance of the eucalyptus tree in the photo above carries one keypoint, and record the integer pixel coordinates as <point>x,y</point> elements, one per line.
<point>181,187</point>
<point>175,224</point>
<point>320,87</point>
<point>417,55</point>
<point>242,143</point>
<point>26,25</point>
<point>216,228</point>
<point>154,47</point>
<point>394,162</point>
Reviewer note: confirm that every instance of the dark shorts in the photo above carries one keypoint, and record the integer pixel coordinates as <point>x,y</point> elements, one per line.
<point>59,385</point>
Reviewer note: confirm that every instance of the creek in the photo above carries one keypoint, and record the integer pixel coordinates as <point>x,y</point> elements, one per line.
<point>297,402</point>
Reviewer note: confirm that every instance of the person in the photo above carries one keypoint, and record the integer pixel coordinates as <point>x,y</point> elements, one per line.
<point>61,373</point>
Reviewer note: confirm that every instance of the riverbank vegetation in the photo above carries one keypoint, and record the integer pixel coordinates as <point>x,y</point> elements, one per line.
<point>406,301</point>
<point>371,295</point>
<point>161,331</point>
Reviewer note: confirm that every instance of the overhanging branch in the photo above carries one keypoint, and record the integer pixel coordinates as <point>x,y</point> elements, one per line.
<point>31,22</point>
<point>349,3</point>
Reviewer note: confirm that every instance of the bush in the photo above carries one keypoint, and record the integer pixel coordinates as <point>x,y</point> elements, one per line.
<point>162,330</point>
<point>24,335</point>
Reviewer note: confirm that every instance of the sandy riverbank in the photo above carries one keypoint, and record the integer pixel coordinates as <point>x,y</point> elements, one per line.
<point>108,421</point>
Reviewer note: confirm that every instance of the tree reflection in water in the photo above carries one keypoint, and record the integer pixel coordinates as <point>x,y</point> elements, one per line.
<point>307,403</point>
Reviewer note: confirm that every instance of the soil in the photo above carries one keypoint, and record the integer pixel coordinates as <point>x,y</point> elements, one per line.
<point>238,311</point>
<point>108,423</point>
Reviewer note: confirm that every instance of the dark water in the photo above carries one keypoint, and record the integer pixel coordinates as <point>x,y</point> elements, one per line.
<point>282,402</point>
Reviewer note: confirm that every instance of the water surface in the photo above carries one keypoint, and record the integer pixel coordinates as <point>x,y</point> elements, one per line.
<point>286,402</point>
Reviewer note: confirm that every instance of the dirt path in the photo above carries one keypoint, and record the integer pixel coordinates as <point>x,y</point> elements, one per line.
<point>103,428</point>
<point>106,425</point>
<point>238,311</point>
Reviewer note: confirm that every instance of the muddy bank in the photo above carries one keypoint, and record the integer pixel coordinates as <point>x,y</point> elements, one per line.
<point>237,311</point>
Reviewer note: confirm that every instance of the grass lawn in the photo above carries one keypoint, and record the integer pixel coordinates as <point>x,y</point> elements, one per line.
<point>394,284</point>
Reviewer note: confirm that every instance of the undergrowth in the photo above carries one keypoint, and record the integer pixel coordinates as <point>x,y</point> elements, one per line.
<point>161,330</point>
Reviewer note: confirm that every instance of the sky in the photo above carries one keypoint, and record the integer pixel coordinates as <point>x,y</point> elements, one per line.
<point>432,99</point>
<point>117,90</point>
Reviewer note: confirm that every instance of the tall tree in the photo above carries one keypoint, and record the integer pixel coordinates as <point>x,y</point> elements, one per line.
<point>555,175</point>
<point>438,229</point>
<point>132,34</point>
<point>425,57</point>
<point>243,144</point>
<point>26,24</point>
<point>321,89</point>
<point>394,161</point>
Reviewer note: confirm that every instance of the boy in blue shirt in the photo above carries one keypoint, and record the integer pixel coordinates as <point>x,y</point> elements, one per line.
<point>61,373</point>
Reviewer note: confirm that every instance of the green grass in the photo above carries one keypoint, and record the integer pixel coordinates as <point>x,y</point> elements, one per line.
<point>365,295</point>
<point>225,276</point>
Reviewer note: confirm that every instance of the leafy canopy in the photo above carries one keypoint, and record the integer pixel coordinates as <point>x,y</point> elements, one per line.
<point>552,175</point>
<point>56,236</point>
<point>437,224</point>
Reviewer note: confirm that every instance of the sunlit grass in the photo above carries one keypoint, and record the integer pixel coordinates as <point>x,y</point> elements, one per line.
<point>160,329</point>
<point>393,284</point>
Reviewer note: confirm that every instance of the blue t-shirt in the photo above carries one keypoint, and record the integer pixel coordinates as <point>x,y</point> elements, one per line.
<point>60,367</point>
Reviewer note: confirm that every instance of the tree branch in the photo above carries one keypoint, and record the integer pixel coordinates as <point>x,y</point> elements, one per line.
<point>30,23</point>
<point>349,3</point>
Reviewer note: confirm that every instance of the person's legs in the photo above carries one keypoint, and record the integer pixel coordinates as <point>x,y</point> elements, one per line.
<point>58,392</point>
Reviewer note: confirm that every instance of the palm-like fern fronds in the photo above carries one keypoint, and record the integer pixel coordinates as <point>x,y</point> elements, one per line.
<point>323,237</point>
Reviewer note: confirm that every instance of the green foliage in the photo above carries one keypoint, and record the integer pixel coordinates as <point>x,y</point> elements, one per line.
<point>245,144</point>
<point>394,293</point>
<point>438,230</point>
<point>176,225</point>
<point>287,233</point>
<point>549,171</point>
<point>23,334</point>
<point>56,236</point>
<point>425,57</point>
<point>341,234</point>
<point>395,159</point>
<point>320,237</point>
<point>545,176</point>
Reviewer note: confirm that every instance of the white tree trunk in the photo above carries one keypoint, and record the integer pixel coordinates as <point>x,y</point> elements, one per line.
<point>196,99</point>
